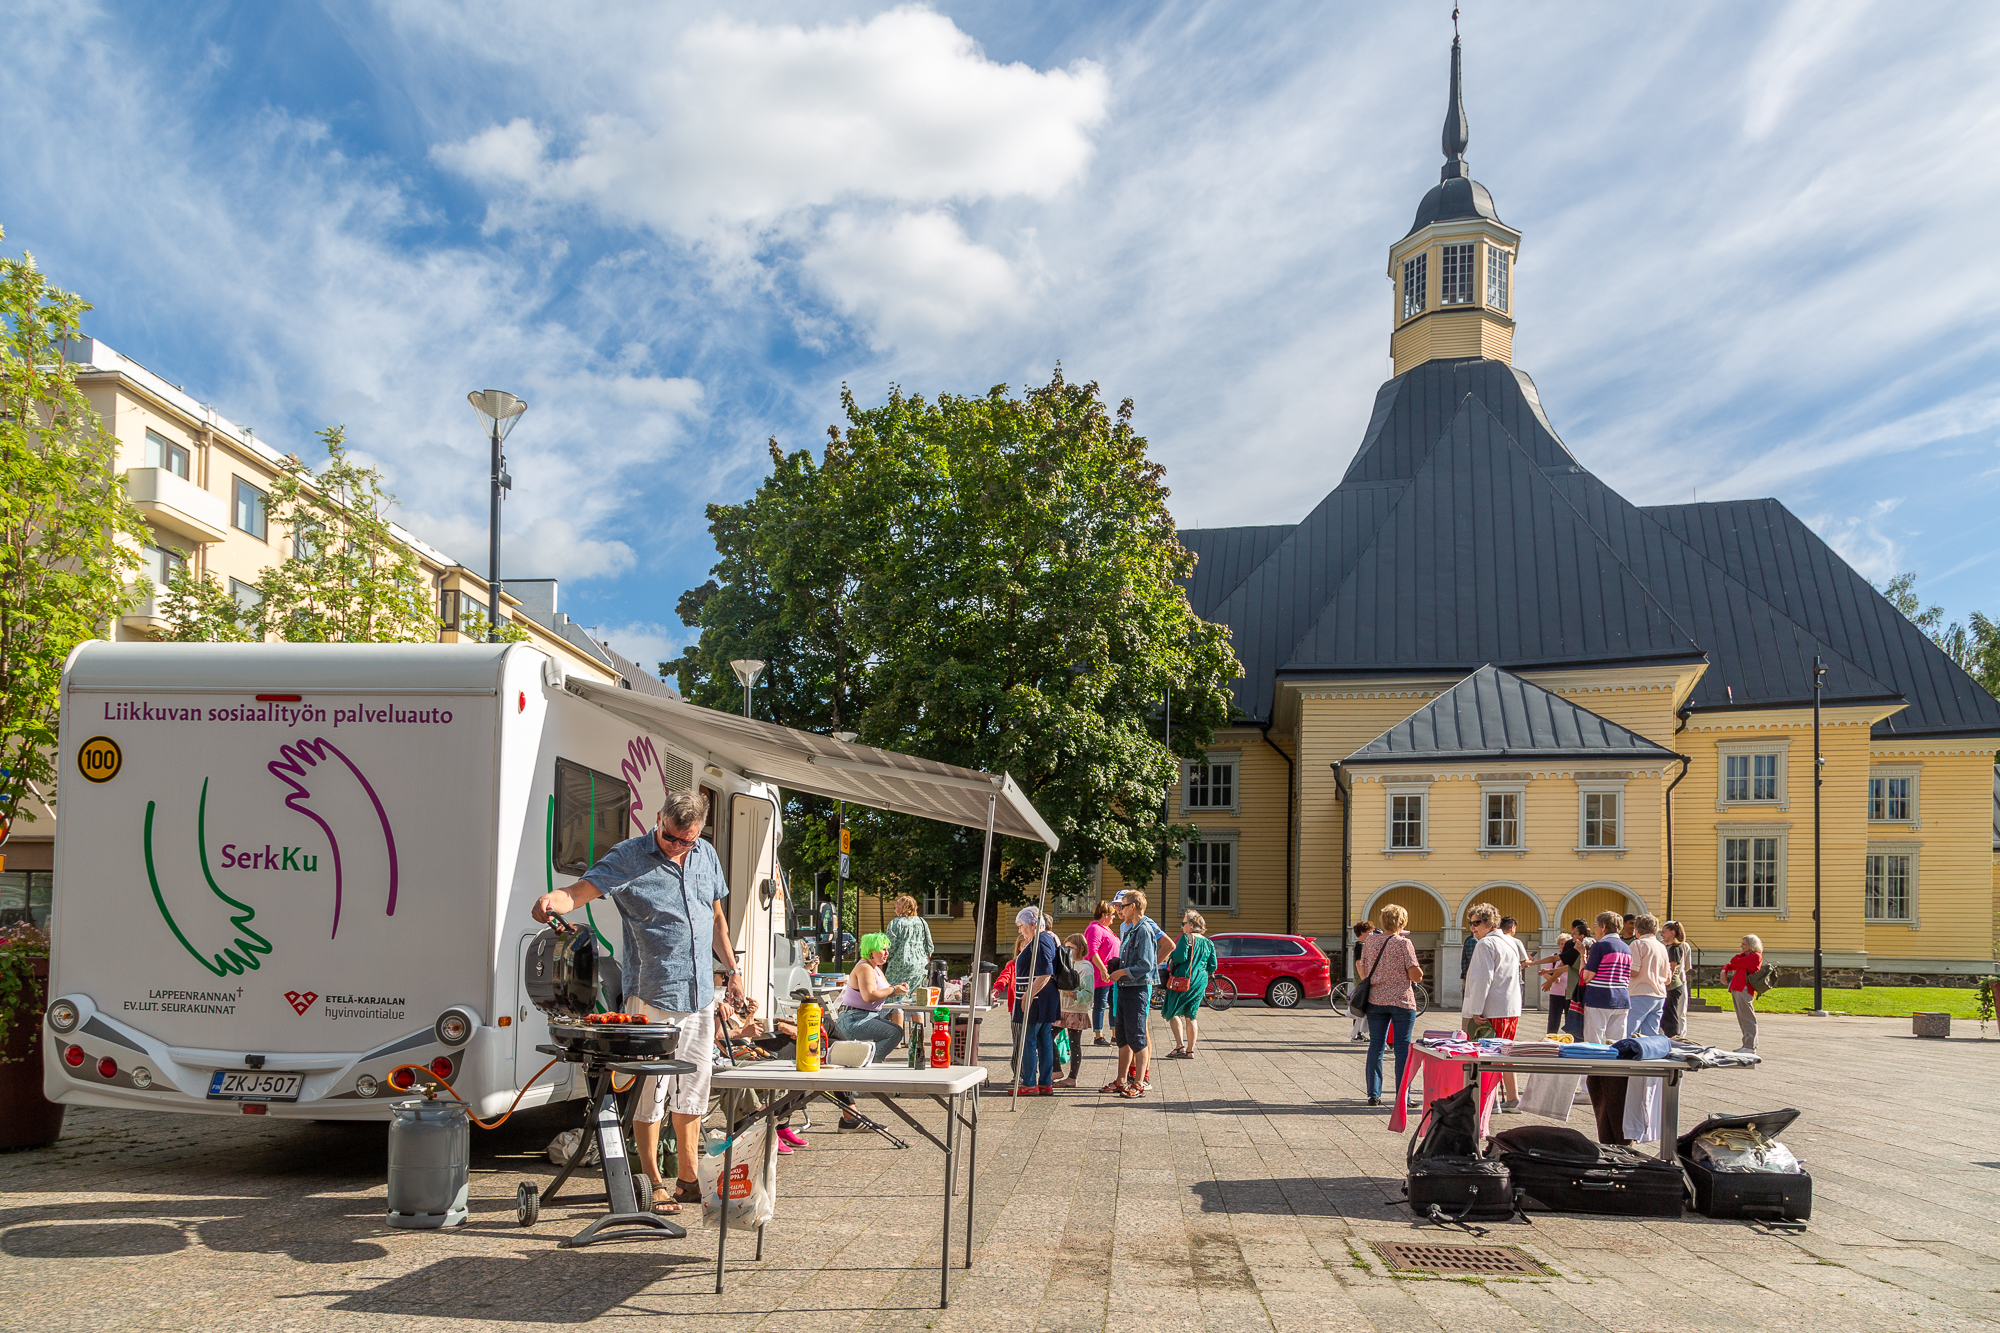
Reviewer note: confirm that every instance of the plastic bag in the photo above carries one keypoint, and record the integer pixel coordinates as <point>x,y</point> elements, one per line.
<point>753,1178</point>
<point>1744,1150</point>
<point>563,1146</point>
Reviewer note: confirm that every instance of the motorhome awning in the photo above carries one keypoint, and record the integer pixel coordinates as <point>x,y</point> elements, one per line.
<point>801,761</point>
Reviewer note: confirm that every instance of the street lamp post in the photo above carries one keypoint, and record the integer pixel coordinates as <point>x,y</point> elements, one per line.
<point>840,876</point>
<point>1819,775</point>
<point>498,411</point>
<point>747,670</point>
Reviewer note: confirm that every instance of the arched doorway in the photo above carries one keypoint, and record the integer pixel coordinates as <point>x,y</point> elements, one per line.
<point>1428,915</point>
<point>1587,900</point>
<point>1515,900</point>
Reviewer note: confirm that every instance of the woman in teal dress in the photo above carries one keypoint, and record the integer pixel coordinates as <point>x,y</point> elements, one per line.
<point>1194,958</point>
<point>909,948</point>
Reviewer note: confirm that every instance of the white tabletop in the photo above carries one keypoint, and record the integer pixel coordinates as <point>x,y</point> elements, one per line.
<point>888,1078</point>
<point>949,1008</point>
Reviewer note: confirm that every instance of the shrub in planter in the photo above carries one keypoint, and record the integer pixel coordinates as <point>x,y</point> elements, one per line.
<point>27,1118</point>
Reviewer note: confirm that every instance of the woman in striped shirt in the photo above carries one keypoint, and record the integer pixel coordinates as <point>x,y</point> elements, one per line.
<point>1607,978</point>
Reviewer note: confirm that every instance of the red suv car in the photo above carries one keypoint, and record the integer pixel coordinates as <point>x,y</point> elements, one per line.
<point>1279,969</point>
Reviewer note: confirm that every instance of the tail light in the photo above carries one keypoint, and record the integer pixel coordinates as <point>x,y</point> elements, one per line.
<point>401,1080</point>
<point>63,1016</point>
<point>73,1056</point>
<point>442,1066</point>
<point>107,1068</point>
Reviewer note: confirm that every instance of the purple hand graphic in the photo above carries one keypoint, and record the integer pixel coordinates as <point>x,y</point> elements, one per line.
<point>300,761</point>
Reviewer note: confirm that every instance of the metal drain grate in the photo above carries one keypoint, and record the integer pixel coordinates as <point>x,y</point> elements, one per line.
<point>1417,1257</point>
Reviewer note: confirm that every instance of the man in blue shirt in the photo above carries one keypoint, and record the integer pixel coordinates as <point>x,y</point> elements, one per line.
<point>668,888</point>
<point>1142,947</point>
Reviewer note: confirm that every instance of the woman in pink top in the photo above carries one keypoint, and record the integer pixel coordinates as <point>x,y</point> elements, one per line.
<point>1102,941</point>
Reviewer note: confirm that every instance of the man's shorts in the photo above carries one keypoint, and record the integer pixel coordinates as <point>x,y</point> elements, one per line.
<point>1135,1005</point>
<point>683,1094</point>
<point>1505,1028</point>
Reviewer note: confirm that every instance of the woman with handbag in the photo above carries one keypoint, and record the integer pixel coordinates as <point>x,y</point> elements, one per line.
<point>1390,970</point>
<point>1680,960</point>
<point>1743,972</point>
<point>1189,968</point>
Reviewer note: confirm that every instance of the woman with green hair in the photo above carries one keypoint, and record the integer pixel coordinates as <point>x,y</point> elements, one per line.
<point>860,1015</point>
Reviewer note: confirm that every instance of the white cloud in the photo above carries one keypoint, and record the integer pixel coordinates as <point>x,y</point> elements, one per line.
<point>911,275</point>
<point>741,124</point>
<point>1862,541</point>
<point>645,642</point>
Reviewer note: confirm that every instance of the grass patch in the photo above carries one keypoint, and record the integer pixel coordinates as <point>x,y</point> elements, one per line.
<point>1873,1001</point>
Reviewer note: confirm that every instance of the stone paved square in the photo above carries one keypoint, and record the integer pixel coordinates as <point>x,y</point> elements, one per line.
<point>1241,1195</point>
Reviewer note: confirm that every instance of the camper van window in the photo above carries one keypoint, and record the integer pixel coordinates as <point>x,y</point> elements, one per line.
<point>592,815</point>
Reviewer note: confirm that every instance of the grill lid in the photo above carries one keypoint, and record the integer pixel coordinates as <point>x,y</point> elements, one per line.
<point>569,974</point>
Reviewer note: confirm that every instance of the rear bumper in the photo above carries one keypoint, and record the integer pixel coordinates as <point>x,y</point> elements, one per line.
<point>177,1079</point>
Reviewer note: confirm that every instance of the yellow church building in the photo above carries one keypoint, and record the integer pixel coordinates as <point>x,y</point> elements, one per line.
<point>1475,673</point>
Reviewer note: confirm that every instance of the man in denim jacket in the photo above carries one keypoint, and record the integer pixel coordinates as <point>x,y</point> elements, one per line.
<point>1142,948</point>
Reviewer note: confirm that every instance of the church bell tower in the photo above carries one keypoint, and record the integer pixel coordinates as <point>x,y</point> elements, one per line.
<point>1452,275</point>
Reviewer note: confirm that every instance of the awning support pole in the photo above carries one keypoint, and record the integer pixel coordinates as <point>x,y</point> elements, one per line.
<point>979,923</point>
<point>1021,1041</point>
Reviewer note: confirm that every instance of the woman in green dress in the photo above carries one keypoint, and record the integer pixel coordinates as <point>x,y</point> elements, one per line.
<point>909,948</point>
<point>1194,958</point>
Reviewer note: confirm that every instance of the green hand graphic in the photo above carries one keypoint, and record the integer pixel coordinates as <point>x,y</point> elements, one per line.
<point>242,952</point>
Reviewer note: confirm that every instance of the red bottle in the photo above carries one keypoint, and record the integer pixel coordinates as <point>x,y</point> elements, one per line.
<point>941,1039</point>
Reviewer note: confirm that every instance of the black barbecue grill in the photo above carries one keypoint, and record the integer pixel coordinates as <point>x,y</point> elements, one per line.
<point>568,977</point>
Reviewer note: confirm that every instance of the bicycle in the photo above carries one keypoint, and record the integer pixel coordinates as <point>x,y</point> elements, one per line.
<point>1344,992</point>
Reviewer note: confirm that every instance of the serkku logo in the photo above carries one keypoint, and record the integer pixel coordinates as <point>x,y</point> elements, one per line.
<point>314,771</point>
<point>301,1000</point>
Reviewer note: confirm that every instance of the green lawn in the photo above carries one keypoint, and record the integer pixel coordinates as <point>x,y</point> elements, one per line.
<point>1886,1001</point>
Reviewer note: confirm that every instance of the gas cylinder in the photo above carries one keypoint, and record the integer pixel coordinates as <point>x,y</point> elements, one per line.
<point>430,1150</point>
<point>941,1038</point>
<point>806,1059</point>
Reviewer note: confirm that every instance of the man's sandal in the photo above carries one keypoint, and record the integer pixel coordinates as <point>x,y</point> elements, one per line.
<point>1114,1087</point>
<point>665,1207</point>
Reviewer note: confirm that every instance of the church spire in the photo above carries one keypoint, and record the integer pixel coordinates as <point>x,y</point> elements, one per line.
<point>1457,131</point>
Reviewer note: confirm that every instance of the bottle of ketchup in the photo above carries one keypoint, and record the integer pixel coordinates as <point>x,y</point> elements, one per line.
<point>941,1038</point>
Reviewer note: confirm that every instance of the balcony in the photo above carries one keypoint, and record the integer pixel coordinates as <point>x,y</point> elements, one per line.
<point>144,616</point>
<point>174,505</point>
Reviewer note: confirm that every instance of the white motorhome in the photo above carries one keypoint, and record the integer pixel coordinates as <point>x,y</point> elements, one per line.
<point>282,870</point>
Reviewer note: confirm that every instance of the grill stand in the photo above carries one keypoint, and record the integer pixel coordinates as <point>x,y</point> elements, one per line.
<point>607,1116</point>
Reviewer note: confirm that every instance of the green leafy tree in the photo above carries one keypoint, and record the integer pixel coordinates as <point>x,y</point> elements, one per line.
<point>1974,644</point>
<point>198,609</point>
<point>348,578</point>
<point>472,625</point>
<point>69,540</point>
<point>988,581</point>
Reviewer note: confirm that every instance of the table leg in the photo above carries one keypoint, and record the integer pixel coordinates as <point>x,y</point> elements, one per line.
<point>950,1179</point>
<point>1670,1118</point>
<point>722,1213</point>
<point>972,1174</point>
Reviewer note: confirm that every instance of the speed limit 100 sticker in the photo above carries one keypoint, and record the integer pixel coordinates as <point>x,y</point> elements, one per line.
<point>100,759</point>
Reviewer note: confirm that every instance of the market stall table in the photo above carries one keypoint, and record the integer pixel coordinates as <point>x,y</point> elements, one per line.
<point>1452,1072</point>
<point>955,1089</point>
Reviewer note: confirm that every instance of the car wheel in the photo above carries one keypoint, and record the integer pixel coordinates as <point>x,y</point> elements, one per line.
<point>1284,994</point>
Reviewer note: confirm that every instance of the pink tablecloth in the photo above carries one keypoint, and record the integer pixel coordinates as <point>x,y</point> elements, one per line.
<point>1442,1077</point>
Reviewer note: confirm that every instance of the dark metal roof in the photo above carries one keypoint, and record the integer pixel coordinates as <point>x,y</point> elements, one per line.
<point>1224,557</point>
<point>1494,714</point>
<point>1464,532</point>
<point>1766,548</point>
<point>1447,201</point>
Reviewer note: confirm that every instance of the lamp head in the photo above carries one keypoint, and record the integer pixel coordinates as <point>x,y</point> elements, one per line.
<point>498,410</point>
<point>747,670</point>
<point>847,736</point>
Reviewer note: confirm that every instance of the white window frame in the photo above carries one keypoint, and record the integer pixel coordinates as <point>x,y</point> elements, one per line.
<point>1416,284</point>
<point>165,449</point>
<point>1601,787</point>
<point>1230,759</point>
<point>1887,849</point>
<point>1226,838</point>
<point>1084,901</point>
<point>1517,790</point>
<point>1723,834</point>
<point>1914,772</point>
<point>237,486</point>
<point>1457,270</point>
<point>1390,791</point>
<point>1499,264</point>
<point>1725,750</point>
<point>929,899</point>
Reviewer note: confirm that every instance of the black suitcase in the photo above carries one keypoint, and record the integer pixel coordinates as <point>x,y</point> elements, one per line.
<point>1772,1195</point>
<point>1460,1188</point>
<point>1560,1169</point>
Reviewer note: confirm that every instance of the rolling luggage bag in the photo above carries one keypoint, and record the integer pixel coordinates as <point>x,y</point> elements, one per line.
<point>1780,1196</point>
<point>1461,1188</point>
<point>1560,1169</point>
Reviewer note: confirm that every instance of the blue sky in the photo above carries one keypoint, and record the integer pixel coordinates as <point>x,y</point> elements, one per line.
<point>1756,256</point>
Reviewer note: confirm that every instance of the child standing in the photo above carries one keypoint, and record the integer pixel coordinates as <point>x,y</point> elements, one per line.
<point>1077,1006</point>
